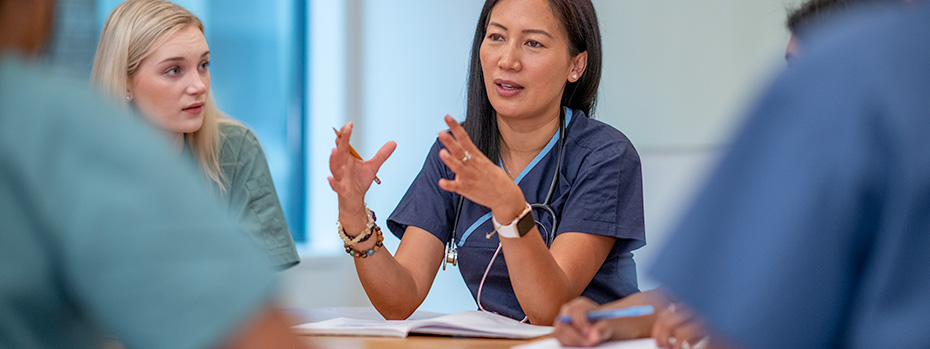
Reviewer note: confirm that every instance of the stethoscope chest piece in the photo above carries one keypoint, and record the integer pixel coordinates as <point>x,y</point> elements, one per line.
<point>452,254</point>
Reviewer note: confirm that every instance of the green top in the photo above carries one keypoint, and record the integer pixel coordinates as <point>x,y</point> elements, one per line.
<point>104,231</point>
<point>250,194</point>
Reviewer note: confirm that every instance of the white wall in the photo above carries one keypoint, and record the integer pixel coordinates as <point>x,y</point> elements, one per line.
<point>677,74</point>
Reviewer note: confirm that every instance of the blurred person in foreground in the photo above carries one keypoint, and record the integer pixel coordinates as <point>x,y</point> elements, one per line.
<point>820,206</point>
<point>675,324</point>
<point>104,232</point>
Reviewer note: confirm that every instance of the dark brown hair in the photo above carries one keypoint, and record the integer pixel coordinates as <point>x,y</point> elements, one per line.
<point>579,20</point>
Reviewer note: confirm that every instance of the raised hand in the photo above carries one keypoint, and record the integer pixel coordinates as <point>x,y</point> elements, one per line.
<point>476,177</point>
<point>351,177</point>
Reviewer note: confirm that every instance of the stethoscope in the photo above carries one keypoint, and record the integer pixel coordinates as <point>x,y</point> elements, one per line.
<point>452,254</point>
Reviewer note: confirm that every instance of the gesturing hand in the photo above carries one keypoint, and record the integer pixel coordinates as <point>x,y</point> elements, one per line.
<point>476,177</point>
<point>351,177</point>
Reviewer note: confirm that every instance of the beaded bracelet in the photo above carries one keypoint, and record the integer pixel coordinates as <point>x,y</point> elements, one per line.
<point>361,237</point>
<point>350,249</point>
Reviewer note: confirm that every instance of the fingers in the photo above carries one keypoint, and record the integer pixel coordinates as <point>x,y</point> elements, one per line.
<point>663,326</point>
<point>569,337</point>
<point>336,162</point>
<point>339,154</point>
<point>458,132</point>
<point>456,163</point>
<point>453,154</point>
<point>689,334</point>
<point>579,332</point>
<point>344,134</point>
<point>457,141</point>
<point>677,327</point>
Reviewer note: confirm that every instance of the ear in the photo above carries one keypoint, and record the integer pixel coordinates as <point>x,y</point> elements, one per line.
<point>579,63</point>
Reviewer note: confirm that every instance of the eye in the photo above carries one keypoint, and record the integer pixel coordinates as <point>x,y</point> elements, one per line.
<point>173,71</point>
<point>495,37</point>
<point>534,44</point>
<point>205,65</point>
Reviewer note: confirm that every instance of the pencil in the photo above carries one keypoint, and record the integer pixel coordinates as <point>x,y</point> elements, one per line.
<point>353,152</point>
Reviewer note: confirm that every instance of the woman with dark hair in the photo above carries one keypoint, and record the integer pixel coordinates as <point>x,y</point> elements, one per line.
<point>540,203</point>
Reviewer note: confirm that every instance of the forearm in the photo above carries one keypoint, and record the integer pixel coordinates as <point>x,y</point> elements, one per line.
<point>389,285</point>
<point>545,278</point>
<point>540,284</point>
<point>396,287</point>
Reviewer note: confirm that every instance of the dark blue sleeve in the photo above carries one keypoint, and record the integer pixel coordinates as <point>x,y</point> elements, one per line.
<point>607,196</point>
<point>763,253</point>
<point>426,205</point>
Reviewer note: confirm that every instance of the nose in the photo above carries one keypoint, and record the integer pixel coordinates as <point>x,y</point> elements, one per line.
<point>510,57</point>
<point>197,84</point>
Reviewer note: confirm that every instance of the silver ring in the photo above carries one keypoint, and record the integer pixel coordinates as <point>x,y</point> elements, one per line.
<point>672,307</point>
<point>467,157</point>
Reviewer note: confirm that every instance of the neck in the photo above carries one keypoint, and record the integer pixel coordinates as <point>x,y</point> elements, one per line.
<point>522,140</point>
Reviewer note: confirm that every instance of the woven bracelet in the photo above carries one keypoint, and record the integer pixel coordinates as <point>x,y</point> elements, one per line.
<point>361,237</point>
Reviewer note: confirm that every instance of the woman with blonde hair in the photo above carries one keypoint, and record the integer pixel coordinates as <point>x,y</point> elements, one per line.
<point>153,57</point>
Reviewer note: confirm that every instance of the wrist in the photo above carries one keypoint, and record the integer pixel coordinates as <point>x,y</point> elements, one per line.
<point>518,227</point>
<point>510,207</point>
<point>353,218</point>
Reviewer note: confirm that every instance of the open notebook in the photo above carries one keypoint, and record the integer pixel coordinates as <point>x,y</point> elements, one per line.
<point>465,324</point>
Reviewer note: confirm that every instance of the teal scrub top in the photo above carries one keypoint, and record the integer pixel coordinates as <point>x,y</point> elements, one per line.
<point>104,232</point>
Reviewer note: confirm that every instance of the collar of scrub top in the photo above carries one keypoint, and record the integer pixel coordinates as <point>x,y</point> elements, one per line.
<point>527,169</point>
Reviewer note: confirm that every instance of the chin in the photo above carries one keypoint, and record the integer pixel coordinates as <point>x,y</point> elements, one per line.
<point>190,126</point>
<point>505,108</point>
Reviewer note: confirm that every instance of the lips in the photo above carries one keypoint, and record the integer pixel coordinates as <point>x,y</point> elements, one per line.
<point>195,108</point>
<point>507,88</point>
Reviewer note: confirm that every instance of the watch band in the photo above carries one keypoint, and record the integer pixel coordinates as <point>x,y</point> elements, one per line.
<point>518,228</point>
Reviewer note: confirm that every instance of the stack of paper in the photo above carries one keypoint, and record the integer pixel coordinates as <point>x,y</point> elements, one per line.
<point>465,324</point>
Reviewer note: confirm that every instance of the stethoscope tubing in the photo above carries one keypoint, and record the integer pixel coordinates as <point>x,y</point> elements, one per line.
<point>452,251</point>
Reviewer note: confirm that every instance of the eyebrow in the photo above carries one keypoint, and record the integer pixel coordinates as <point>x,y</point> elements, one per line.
<point>182,58</point>
<point>525,31</point>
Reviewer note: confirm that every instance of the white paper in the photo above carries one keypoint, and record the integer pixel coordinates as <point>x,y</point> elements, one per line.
<point>552,343</point>
<point>467,324</point>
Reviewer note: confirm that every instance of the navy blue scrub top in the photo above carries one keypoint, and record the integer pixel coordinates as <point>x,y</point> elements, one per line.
<point>599,192</point>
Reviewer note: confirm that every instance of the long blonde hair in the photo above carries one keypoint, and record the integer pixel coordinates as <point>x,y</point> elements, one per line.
<point>134,29</point>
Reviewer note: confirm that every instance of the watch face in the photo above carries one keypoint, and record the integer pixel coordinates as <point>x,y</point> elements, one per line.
<point>526,224</point>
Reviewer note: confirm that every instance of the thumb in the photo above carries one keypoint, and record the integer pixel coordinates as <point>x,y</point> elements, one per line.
<point>386,150</point>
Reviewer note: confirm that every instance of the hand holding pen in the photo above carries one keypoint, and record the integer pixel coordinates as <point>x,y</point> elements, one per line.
<point>353,152</point>
<point>351,176</point>
<point>598,315</point>
<point>585,323</point>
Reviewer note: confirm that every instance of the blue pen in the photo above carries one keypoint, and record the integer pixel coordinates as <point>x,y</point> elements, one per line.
<point>599,315</point>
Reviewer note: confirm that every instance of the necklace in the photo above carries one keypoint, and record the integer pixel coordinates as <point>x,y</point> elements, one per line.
<point>504,166</point>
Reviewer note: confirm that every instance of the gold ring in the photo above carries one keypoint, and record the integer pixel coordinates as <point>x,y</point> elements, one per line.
<point>467,157</point>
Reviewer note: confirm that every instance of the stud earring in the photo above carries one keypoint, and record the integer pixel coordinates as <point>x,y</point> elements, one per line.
<point>574,76</point>
<point>128,96</point>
